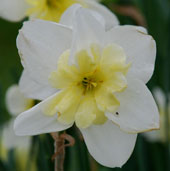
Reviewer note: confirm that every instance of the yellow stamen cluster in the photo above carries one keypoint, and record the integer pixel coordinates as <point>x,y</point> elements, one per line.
<point>89,82</point>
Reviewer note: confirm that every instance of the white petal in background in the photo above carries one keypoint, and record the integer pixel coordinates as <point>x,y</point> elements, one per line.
<point>10,140</point>
<point>159,135</point>
<point>34,121</point>
<point>153,136</point>
<point>138,111</point>
<point>13,10</point>
<point>16,102</point>
<point>139,47</point>
<point>108,144</point>
<point>159,97</point>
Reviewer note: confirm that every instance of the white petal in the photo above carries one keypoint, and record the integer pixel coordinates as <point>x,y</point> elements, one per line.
<point>110,18</point>
<point>13,10</point>
<point>86,31</point>
<point>40,44</point>
<point>34,121</point>
<point>139,47</point>
<point>33,89</point>
<point>138,111</point>
<point>16,101</point>
<point>139,28</point>
<point>108,144</point>
<point>69,15</point>
<point>159,97</point>
<point>10,140</point>
<point>153,136</point>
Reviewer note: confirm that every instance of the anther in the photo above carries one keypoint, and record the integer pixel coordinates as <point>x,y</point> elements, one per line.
<point>117,113</point>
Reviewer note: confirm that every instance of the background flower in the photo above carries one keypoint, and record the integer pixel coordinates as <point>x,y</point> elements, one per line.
<point>16,10</point>
<point>20,146</point>
<point>160,135</point>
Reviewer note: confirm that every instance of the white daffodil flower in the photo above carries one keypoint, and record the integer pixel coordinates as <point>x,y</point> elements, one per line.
<point>16,10</point>
<point>16,103</point>
<point>159,135</point>
<point>91,77</point>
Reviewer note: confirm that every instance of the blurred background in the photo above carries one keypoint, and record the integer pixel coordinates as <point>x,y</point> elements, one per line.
<point>152,150</point>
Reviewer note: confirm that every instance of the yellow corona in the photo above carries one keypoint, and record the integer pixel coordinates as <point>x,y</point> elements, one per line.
<point>88,87</point>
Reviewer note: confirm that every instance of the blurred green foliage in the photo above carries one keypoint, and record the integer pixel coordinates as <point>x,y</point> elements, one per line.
<point>146,156</point>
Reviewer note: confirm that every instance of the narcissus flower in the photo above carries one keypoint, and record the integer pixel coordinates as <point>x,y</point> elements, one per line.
<point>91,77</point>
<point>160,135</point>
<point>16,103</point>
<point>16,10</point>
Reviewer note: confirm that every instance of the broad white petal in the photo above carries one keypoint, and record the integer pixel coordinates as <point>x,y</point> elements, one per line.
<point>13,10</point>
<point>10,140</point>
<point>110,18</point>
<point>108,144</point>
<point>34,121</point>
<point>139,47</point>
<point>138,111</point>
<point>69,15</point>
<point>86,31</point>
<point>40,44</point>
<point>16,102</point>
<point>33,89</point>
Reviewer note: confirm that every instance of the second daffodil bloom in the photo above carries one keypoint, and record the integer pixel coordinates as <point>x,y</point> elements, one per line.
<point>160,135</point>
<point>16,103</point>
<point>91,77</point>
<point>16,10</point>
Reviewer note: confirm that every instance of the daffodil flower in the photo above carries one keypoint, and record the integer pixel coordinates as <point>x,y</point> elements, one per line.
<point>159,135</point>
<point>91,77</point>
<point>16,103</point>
<point>16,10</point>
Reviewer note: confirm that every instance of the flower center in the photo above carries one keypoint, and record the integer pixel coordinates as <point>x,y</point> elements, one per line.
<point>91,81</point>
<point>88,84</point>
<point>88,87</point>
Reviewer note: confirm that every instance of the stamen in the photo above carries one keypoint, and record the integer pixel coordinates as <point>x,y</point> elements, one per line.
<point>89,84</point>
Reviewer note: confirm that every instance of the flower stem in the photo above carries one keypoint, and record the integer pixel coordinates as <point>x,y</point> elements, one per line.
<point>59,149</point>
<point>59,152</point>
